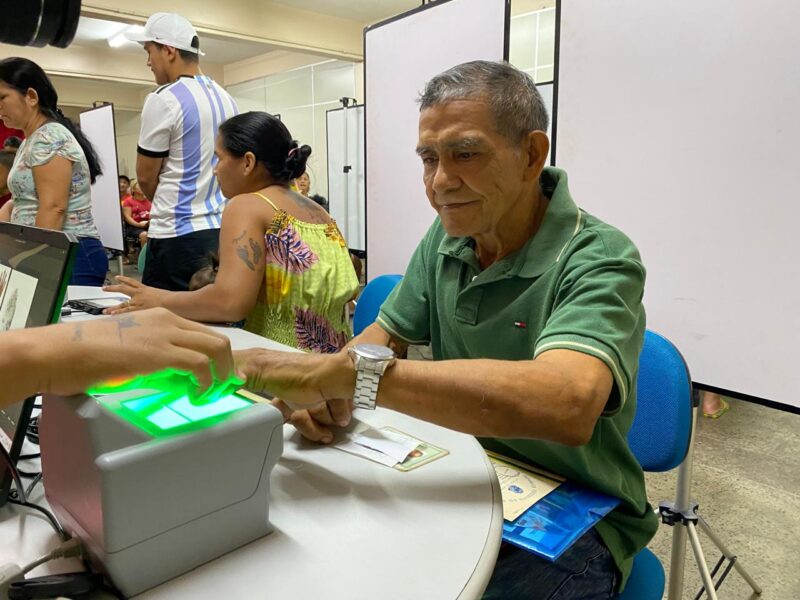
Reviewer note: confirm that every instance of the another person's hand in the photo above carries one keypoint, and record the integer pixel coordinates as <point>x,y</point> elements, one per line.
<point>141,296</point>
<point>139,344</point>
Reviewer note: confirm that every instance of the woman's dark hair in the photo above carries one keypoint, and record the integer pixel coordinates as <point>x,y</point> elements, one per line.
<point>23,74</point>
<point>266,137</point>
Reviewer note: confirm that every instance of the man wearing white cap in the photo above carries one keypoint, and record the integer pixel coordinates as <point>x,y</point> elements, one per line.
<point>176,153</point>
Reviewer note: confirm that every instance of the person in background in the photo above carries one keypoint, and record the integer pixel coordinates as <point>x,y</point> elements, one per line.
<point>533,310</point>
<point>136,212</point>
<point>12,144</point>
<point>124,187</point>
<point>303,184</point>
<point>283,264</point>
<point>6,162</point>
<point>175,160</point>
<point>43,359</point>
<point>714,405</point>
<point>55,166</point>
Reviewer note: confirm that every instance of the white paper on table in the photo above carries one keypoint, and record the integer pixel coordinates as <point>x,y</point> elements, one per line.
<point>385,447</point>
<point>351,447</point>
<point>388,442</point>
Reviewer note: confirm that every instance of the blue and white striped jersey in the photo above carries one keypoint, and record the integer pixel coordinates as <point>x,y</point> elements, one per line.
<point>179,124</point>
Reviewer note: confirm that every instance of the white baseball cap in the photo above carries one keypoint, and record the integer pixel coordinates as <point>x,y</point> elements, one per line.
<point>169,29</point>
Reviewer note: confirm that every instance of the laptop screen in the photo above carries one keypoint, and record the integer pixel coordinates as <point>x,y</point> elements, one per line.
<point>35,267</point>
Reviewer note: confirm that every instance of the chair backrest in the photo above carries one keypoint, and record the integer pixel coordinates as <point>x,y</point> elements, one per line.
<point>370,301</point>
<point>662,428</point>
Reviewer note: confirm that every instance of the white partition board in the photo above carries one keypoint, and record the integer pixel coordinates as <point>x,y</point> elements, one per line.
<point>677,123</point>
<point>401,55</point>
<point>346,186</point>
<point>97,124</point>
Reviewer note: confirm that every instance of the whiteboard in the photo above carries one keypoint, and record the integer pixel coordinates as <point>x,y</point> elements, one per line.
<point>97,124</point>
<point>677,123</point>
<point>400,56</point>
<point>346,189</point>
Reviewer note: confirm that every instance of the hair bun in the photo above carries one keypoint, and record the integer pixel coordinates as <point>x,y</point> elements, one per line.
<point>296,160</point>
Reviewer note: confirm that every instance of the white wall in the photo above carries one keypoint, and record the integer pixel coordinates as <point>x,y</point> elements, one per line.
<point>301,97</point>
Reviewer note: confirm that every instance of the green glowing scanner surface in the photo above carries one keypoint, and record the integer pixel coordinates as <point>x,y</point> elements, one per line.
<point>162,414</point>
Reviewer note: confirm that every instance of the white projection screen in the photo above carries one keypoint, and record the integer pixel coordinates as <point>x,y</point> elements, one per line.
<point>677,123</point>
<point>97,124</point>
<point>401,55</point>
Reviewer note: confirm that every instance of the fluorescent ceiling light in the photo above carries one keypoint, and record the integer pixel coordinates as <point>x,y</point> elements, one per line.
<point>117,40</point>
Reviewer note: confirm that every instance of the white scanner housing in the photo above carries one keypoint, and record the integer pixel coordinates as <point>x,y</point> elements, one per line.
<point>151,507</point>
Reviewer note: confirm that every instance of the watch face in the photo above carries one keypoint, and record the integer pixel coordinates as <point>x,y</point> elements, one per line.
<point>374,352</point>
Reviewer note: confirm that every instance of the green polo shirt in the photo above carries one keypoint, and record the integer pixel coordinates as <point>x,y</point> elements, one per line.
<point>577,284</point>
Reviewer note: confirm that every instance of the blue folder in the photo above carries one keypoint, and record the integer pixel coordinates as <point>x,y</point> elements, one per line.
<point>556,521</point>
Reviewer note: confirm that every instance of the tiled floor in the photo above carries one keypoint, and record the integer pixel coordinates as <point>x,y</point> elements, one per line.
<point>747,482</point>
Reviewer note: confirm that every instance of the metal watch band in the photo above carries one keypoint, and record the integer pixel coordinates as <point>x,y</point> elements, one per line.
<point>366,392</point>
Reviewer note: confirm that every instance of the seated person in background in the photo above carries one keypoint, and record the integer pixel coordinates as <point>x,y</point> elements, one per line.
<point>283,265</point>
<point>303,184</point>
<point>12,144</point>
<point>533,309</point>
<point>136,212</point>
<point>6,162</point>
<point>206,275</point>
<point>124,187</point>
<point>43,359</point>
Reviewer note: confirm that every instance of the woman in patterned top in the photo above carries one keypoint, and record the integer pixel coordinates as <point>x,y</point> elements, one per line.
<point>283,265</point>
<point>54,167</point>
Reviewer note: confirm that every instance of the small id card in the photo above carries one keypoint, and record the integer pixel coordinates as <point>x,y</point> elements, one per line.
<point>423,454</point>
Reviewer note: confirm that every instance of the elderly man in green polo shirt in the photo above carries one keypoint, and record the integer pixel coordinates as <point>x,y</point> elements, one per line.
<point>533,310</point>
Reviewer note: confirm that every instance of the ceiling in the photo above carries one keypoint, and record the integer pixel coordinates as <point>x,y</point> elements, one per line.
<point>363,11</point>
<point>95,33</point>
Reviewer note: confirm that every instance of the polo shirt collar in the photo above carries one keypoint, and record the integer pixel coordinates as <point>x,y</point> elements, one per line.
<point>562,221</point>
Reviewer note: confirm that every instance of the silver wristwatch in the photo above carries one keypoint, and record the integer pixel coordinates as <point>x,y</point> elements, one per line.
<point>371,362</point>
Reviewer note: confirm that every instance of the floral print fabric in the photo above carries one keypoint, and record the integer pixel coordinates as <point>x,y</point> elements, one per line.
<point>309,279</point>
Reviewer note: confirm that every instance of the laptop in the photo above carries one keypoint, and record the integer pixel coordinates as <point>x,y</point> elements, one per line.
<point>35,268</point>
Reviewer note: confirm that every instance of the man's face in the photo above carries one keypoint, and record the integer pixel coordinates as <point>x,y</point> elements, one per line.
<point>157,61</point>
<point>473,175</point>
<point>124,187</point>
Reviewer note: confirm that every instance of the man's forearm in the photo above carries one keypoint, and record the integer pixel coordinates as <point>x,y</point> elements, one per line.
<point>149,187</point>
<point>491,398</point>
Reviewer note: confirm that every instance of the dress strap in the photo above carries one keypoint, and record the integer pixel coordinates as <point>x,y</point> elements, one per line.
<point>271,203</point>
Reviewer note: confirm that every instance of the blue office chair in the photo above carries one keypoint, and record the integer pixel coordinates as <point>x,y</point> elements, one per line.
<point>370,301</point>
<point>659,438</point>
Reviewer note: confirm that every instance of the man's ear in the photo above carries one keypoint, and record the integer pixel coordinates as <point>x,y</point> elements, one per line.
<point>536,146</point>
<point>172,53</point>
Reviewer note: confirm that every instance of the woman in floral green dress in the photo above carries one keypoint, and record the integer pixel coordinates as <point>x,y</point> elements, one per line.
<point>283,265</point>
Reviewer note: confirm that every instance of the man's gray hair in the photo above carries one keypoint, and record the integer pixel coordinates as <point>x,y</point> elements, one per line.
<point>511,94</point>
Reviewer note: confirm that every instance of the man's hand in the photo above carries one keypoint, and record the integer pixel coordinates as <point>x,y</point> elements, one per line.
<point>316,424</point>
<point>141,295</point>
<point>315,390</point>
